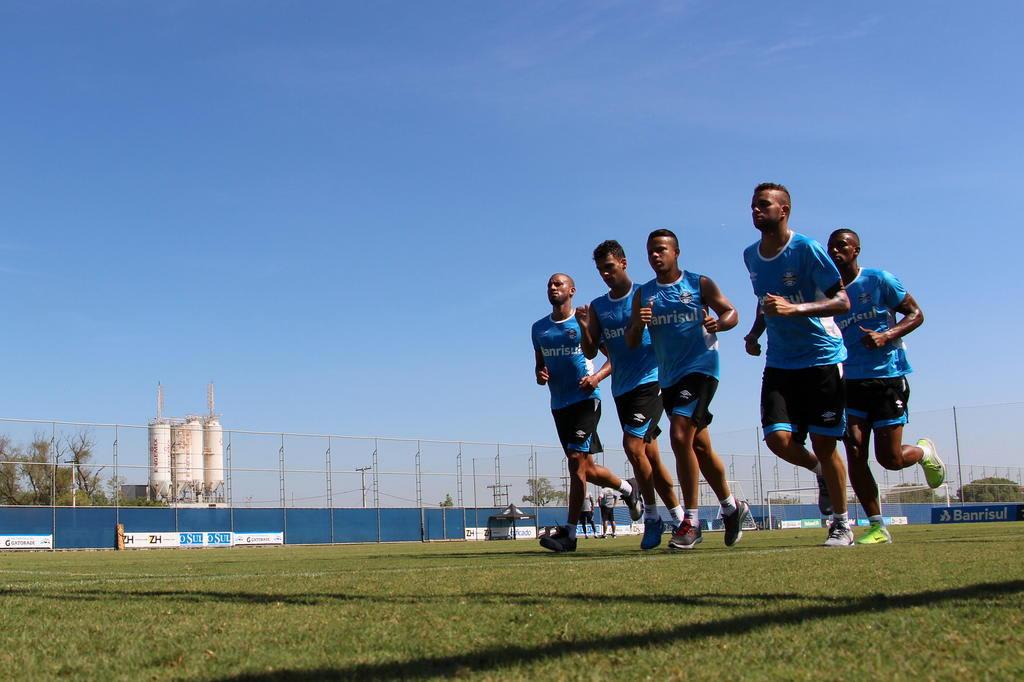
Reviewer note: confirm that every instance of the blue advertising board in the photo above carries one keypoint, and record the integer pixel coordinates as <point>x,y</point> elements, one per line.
<point>978,513</point>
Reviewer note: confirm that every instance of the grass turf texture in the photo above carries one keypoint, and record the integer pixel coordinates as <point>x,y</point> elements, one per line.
<point>942,602</point>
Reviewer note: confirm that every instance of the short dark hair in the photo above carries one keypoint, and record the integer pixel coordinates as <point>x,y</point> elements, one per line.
<point>764,186</point>
<point>664,233</point>
<point>844,230</point>
<point>609,247</point>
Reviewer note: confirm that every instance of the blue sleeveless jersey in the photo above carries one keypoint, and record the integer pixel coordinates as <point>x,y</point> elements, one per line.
<point>681,343</point>
<point>631,367</point>
<point>559,343</point>
<point>874,296</point>
<point>800,273</point>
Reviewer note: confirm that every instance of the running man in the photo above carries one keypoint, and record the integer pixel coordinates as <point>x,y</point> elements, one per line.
<point>674,307</point>
<point>634,385</point>
<point>575,405</point>
<point>606,501</point>
<point>587,514</point>
<point>799,290</point>
<point>876,367</point>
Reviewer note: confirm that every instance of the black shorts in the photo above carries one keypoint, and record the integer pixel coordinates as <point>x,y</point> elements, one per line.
<point>640,411</point>
<point>607,514</point>
<point>812,400</point>
<point>577,426</point>
<point>691,397</point>
<point>881,402</point>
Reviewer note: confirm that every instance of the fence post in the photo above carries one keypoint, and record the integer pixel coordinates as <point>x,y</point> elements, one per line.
<point>376,484</point>
<point>230,496</point>
<point>330,490</point>
<point>53,486</point>
<point>284,501</point>
<point>462,502</point>
<point>419,492</point>
<point>117,483</point>
<point>760,474</point>
<point>959,469</point>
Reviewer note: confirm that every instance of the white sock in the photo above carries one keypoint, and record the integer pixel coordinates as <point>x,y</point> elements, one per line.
<point>693,515</point>
<point>625,488</point>
<point>651,512</point>
<point>876,520</point>
<point>676,513</point>
<point>817,469</point>
<point>572,529</point>
<point>843,518</point>
<point>728,505</point>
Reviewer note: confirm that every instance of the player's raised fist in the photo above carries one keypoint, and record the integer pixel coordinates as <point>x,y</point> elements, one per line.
<point>647,311</point>
<point>752,346</point>
<point>777,305</point>
<point>543,376</point>
<point>710,323</point>
<point>583,314</point>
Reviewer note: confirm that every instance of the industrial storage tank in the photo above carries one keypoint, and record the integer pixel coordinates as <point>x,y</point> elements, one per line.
<point>160,459</point>
<point>194,426</point>
<point>181,471</point>
<point>213,457</point>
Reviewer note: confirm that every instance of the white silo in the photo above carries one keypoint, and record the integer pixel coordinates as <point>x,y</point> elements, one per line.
<point>160,459</point>
<point>181,471</point>
<point>194,426</point>
<point>213,457</point>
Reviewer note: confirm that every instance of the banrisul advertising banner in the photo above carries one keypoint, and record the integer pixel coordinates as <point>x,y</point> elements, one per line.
<point>26,542</point>
<point>144,540</point>
<point>976,514</point>
<point>247,539</point>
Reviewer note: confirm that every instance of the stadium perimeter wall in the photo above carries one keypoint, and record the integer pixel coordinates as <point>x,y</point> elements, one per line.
<point>94,527</point>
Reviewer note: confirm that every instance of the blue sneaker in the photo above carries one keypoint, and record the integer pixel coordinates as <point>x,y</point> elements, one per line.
<point>653,530</point>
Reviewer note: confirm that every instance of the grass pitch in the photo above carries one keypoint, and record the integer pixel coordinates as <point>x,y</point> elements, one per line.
<point>943,602</point>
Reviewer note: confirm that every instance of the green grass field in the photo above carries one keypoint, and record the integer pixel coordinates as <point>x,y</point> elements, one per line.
<point>943,602</point>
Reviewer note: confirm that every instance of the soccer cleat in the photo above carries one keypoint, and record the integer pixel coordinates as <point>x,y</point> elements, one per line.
<point>934,469</point>
<point>633,501</point>
<point>653,530</point>
<point>877,535</point>
<point>686,536</point>
<point>558,540</point>
<point>824,499</point>
<point>734,523</point>
<point>839,535</point>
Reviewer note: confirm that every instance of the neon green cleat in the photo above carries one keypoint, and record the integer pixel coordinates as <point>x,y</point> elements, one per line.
<point>877,535</point>
<point>934,469</point>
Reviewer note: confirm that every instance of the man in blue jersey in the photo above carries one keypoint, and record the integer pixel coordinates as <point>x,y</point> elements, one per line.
<point>876,368</point>
<point>634,385</point>
<point>674,308</point>
<point>575,405</point>
<point>799,290</point>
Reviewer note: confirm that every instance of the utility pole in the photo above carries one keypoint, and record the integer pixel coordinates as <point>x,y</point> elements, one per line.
<point>362,481</point>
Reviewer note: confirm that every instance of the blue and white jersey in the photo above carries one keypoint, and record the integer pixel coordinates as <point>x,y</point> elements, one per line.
<point>800,273</point>
<point>681,343</point>
<point>874,296</point>
<point>559,343</point>
<point>631,367</point>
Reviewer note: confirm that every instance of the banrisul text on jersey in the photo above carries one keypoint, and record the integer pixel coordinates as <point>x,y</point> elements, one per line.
<point>681,344</point>
<point>800,273</point>
<point>558,341</point>
<point>631,367</point>
<point>874,297</point>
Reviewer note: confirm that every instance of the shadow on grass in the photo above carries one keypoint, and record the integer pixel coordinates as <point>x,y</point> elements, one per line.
<point>208,597</point>
<point>690,633</point>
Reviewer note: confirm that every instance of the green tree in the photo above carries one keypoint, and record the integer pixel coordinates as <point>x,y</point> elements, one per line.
<point>448,501</point>
<point>784,499</point>
<point>542,493</point>
<point>991,489</point>
<point>917,494</point>
<point>10,477</point>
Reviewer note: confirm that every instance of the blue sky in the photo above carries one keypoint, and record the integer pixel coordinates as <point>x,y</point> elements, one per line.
<point>345,214</point>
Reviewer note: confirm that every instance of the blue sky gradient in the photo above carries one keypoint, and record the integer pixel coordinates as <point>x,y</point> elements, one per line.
<point>346,214</point>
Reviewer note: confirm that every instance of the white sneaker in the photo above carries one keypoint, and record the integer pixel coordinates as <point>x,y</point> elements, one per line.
<point>839,535</point>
